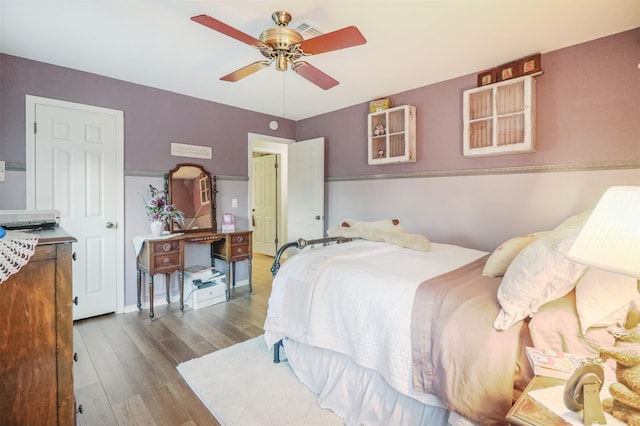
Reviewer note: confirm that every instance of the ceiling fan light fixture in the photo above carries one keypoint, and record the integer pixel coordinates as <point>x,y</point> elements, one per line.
<point>281,62</point>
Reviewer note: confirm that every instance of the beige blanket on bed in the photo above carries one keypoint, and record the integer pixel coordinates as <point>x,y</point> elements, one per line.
<point>456,353</point>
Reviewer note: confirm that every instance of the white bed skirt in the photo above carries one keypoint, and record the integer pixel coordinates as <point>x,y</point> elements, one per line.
<point>360,395</point>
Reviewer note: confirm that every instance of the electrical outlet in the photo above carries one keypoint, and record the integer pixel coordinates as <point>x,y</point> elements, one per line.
<point>234,202</point>
<point>1,171</point>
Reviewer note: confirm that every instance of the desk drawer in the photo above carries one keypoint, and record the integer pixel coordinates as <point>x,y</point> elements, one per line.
<point>240,250</point>
<point>167,260</point>
<point>165,247</point>
<point>240,239</point>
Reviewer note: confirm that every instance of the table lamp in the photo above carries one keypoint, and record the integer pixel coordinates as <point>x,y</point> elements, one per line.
<point>610,240</point>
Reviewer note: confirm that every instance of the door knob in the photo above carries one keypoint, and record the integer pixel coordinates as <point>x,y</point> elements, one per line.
<point>110,225</point>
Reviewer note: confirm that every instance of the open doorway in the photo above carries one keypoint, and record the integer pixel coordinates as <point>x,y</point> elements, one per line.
<point>265,190</point>
<point>300,190</point>
<point>267,195</point>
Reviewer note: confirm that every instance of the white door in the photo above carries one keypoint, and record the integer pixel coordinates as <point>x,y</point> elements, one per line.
<point>264,213</point>
<point>76,172</point>
<point>306,190</point>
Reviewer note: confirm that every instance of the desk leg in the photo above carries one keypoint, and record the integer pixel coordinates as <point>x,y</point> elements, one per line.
<point>181,278</point>
<point>139,277</point>
<point>233,273</point>
<point>227,284</point>
<point>250,275</point>
<point>167,280</point>
<point>151,296</point>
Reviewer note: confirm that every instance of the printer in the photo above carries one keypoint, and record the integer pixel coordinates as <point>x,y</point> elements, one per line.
<point>29,219</point>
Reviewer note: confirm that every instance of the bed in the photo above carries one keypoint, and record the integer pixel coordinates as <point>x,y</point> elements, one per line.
<point>386,334</point>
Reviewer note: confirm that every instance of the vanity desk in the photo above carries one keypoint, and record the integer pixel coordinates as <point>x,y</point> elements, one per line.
<point>192,190</point>
<point>166,255</point>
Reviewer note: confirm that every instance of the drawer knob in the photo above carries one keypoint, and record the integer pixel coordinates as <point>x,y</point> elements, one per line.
<point>240,238</point>
<point>75,300</point>
<point>75,356</point>
<point>80,409</point>
<point>239,250</point>
<point>167,260</point>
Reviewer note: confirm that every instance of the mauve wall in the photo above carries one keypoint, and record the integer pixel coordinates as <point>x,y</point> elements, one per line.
<point>588,110</point>
<point>153,118</point>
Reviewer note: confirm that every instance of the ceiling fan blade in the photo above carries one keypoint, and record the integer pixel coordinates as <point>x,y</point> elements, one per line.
<point>314,75</point>
<point>228,30</point>
<point>245,71</point>
<point>336,40</point>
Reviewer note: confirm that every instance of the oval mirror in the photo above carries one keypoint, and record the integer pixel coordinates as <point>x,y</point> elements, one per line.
<point>192,191</point>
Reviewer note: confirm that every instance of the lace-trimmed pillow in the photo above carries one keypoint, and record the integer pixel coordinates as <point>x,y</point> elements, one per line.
<point>539,273</point>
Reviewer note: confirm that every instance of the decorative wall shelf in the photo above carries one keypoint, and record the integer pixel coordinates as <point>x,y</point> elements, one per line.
<point>392,135</point>
<point>500,118</point>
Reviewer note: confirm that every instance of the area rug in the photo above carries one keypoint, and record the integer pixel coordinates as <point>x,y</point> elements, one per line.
<point>242,386</point>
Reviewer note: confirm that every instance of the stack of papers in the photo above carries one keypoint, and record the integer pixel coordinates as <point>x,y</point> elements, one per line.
<point>200,275</point>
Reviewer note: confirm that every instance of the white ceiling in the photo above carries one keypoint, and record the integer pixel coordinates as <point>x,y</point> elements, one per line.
<point>409,43</point>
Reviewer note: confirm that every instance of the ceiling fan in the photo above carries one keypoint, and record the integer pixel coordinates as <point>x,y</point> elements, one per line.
<point>285,46</point>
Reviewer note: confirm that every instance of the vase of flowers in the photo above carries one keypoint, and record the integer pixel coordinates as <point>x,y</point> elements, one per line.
<point>160,212</point>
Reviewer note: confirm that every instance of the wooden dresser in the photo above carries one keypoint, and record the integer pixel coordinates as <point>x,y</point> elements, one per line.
<point>36,337</point>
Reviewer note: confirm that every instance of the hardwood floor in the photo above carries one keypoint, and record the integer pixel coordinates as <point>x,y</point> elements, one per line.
<point>126,371</point>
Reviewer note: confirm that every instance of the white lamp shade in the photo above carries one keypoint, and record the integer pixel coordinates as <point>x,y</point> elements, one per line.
<point>610,239</point>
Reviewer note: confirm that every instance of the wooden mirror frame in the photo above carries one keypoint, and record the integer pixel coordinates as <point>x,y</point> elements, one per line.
<point>193,212</point>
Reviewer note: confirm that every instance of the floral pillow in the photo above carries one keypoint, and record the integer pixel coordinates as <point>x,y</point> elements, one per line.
<point>540,273</point>
<point>502,256</point>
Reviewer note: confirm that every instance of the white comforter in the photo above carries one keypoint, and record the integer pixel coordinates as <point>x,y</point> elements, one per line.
<point>361,305</point>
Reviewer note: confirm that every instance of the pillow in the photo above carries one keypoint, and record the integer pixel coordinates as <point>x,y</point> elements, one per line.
<point>539,273</point>
<point>388,231</point>
<point>378,225</point>
<point>602,298</point>
<point>502,257</point>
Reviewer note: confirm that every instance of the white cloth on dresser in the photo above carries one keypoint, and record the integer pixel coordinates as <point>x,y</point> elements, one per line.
<point>138,242</point>
<point>16,248</point>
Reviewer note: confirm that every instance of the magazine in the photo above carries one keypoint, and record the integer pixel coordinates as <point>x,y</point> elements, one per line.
<point>553,364</point>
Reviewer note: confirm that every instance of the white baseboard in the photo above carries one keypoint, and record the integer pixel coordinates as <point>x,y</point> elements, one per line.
<point>161,301</point>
